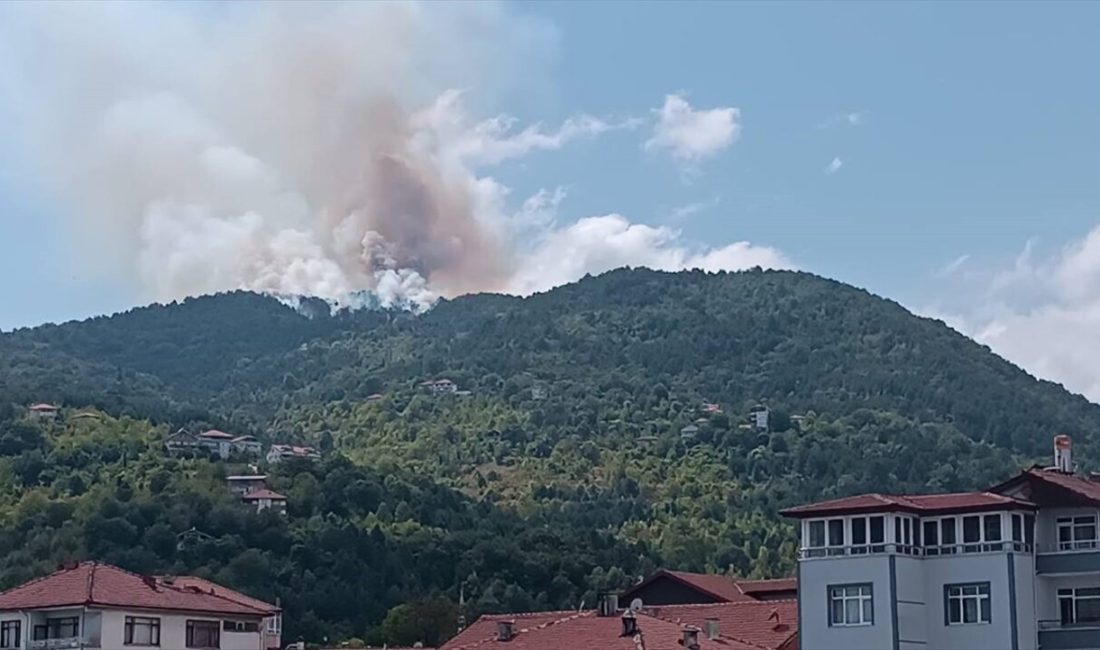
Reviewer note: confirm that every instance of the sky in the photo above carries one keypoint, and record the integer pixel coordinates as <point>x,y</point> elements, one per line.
<point>943,155</point>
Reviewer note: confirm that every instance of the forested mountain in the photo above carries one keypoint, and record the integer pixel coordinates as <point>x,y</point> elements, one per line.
<point>565,439</point>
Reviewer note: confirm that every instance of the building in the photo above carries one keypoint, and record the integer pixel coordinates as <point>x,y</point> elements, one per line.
<point>759,416</point>
<point>681,588</point>
<point>279,453</point>
<point>182,443</point>
<point>271,628</point>
<point>218,443</point>
<point>1017,566</point>
<point>689,432</point>
<point>43,411</point>
<point>727,626</point>
<point>440,386</point>
<point>95,605</point>
<point>242,485</point>
<point>264,499</point>
<point>247,446</point>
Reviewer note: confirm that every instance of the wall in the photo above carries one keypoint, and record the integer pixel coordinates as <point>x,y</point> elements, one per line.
<point>173,631</point>
<point>1046,525</point>
<point>912,602</point>
<point>666,591</point>
<point>973,567</point>
<point>814,577</point>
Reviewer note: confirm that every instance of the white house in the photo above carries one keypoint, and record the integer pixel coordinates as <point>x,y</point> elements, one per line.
<point>243,484</point>
<point>219,443</point>
<point>247,446</point>
<point>182,443</point>
<point>440,386</point>
<point>95,605</point>
<point>43,411</point>
<point>264,499</point>
<point>279,453</point>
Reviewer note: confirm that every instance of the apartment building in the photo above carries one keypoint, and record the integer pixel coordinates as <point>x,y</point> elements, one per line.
<point>1014,567</point>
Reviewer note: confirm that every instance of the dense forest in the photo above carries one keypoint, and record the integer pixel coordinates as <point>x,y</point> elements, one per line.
<point>599,430</point>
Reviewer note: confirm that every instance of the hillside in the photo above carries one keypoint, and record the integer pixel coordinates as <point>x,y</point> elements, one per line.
<point>577,399</point>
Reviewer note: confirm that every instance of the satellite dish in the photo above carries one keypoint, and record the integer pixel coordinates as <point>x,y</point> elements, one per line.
<point>636,605</point>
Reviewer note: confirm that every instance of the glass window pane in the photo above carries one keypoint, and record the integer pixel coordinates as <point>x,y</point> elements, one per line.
<point>868,614</point>
<point>859,530</point>
<point>971,529</point>
<point>931,533</point>
<point>1029,529</point>
<point>836,532</point>
<point>1088,610</point>
<point>817,533</point>
<point>970,610</point>
<point>954,611</point>
<point>878,530</point>
<point>992,528</point>
<point>838,611</point>
<point>851,611</point>
<point>947,531</point>
<point>985,610</point>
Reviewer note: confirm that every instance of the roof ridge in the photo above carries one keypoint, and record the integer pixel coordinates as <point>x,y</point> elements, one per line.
<point>739,603</point>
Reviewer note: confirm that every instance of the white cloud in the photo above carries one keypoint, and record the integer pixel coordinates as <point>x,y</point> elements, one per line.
<point>953,266</point>
<point>690,135</point>
<point>853,118</point>
<point>833,167</point>
<point>681,213</point>
<point>1042,312</point>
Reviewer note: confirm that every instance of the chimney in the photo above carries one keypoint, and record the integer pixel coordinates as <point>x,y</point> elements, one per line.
<point>1063,454</point>
<point>505,631</point>
<point>609,604</point>
<point>691,638</point>
<point>149,581</point>
<point>630,624</point>
<point>712,629</point>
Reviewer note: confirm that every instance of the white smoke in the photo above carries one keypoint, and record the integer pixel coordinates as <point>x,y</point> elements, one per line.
<point>303,149</point>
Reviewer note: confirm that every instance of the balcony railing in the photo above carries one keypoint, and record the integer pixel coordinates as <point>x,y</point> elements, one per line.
<point>58,644</point>
<point>910,549</point>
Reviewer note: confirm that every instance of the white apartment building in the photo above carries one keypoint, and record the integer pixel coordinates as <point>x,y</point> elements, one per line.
<point>1015,567</point>
<point>94,605</point>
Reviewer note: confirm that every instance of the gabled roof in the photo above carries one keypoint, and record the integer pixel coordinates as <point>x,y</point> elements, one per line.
<point>94,584</point>
<point>213,588</point>
<point>256,495</point>
<point>579,631</point>
<point>215,434</point>
<point>775,585</point>
<point>759,624</point>
<point>44,407</point>
<point>925,503</point>
<point>1081,487</point>
<point>719,587</point>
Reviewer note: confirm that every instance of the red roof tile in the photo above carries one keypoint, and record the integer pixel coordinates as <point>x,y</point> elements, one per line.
<point>213,588</point>
<point>926,503</point>
<point>579,631</point>
<point>103,585</point>
<point>256,495</point>
<point>718,587</point>
<point>761,624</point>
<point>1081,486</point>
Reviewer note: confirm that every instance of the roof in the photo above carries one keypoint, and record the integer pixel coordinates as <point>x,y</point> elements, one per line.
<point>926,503</point>
<point>245,439</point>
<point>96,584</point>
<point>720,587</point>
<point>247,477</point>
<point>44,407</point>
<point>214,433</point>
<point>218,590</point>
<point>757,624</point>
<point>1080,486</point>
<point>773,585</point>
<point>256,495</point>
<point>579,631</point>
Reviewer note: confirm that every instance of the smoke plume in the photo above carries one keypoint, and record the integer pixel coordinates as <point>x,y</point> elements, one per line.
<point>296,149</point>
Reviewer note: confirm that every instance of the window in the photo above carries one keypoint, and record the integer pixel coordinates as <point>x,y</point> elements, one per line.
<point>972,532</point>
<point>1029,529</point>
<point>9,634</point>
<point>851,605</point>
<point>992,530</point>
<point>967,604</point>
<point>57,628</point>
<point>240,626</point>
<point>931,537</point>
<point>817,534</point>
<point>859,535</point>
<point>836,535</point>
<point>274,624</point>
<point>826,537</point>
<point>203,634</point>
<point>141,630</point>
<point>947,536</point>
<point>1076,532</point>
<point>878,533</point>
<point>1080,605</point>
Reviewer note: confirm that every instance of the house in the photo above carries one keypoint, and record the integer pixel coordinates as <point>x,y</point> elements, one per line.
<point>279,453</point>
<point>1016,566</point>
<point>182,443</point>
<point>43,411</point>
<point>243,484</point>
<point>539,392</point>
<point>682,588</point>
<point>247,446</point>
<point>263,499</point>
<point>218,443</point>
<point>759,416</point>
<point>689,432</point>
<point>271,627</point>
<point>711,408</point>
<point>96,605</point>
<point>727,626</point>
<point>440,386</point>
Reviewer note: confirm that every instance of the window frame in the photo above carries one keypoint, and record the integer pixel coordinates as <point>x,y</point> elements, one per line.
<point>1071,524</point>
<point>213,626</point>
<point>962,597</point>
<point>1062,595</point>
<point>153,622</point>
<point>6,628</point>
<point>51,629</point>
<point>844,598</point>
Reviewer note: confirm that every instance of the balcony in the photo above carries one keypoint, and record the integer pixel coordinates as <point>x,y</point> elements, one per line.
<point>917,551</point>
<point>1054,635</point>
<point>59,644</point>
<point>1068,557</point>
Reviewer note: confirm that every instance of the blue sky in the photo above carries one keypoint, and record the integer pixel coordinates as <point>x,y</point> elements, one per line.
<point>944,155</point>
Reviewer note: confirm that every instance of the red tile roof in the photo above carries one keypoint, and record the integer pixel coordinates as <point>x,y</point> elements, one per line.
<point>214,433</point>
<point>213,588</point>
<point>1081,486</point>
<point>102,585</point>
<point>579,631</point>
<point>927,503</point>
<point>750,587</point>
<point>720,587</point>
<point>759,624</point>
<point>256,495</point>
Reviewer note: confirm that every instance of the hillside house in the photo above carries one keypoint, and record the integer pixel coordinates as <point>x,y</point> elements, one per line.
<point>182,443</point>
<point>440,386</point>
<point>43,411</point>
<point>759,417</point>
<point>711,409</point>
<point>271,628</point>
<point>689,432</point>
<point>95,605</point>
<point>243,484</point>
<point>247,446</point>
<point>218,443</point>
<point>279,453</point>
<point>264,499</point>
